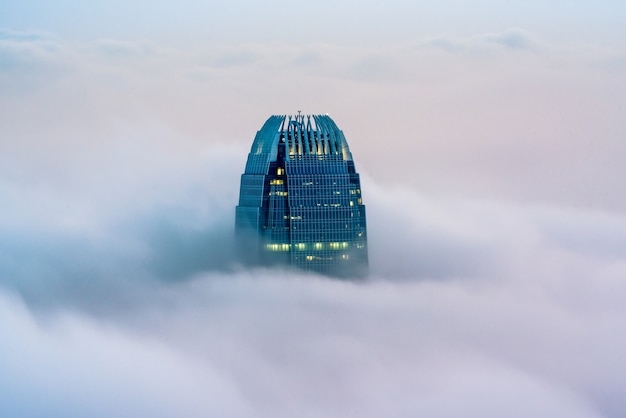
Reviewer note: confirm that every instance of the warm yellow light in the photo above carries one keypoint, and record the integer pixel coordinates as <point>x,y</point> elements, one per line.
<point>278,247</point>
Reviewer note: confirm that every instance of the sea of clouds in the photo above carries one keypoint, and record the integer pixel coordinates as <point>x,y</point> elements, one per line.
<point>473,308</point>
<point>120,294</point>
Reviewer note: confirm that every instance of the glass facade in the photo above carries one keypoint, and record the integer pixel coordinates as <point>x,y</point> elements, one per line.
<point>300,200</point>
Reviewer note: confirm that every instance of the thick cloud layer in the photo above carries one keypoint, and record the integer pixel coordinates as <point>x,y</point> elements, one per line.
<point>119,294</point>
<point>474,308</point>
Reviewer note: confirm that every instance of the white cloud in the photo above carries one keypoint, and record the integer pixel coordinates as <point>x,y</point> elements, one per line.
<point>512,39</point>
<point>119,296</point>
<point>474,307</point>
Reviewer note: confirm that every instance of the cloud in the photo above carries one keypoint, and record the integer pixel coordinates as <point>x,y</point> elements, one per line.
<point>473,307</point>
<point>120,296</point>
<point>25,36</point>
<point>235,59</point>
<point>29,57</point>
<point>75,367</point>
<point>327,347</point>
<point>511,39</point>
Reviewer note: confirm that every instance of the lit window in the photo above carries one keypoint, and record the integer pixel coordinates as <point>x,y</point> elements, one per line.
<point>278,247</point>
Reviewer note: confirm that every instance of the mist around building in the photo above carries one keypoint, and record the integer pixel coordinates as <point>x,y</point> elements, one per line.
<point>135,305</point>
<point>490,163</point>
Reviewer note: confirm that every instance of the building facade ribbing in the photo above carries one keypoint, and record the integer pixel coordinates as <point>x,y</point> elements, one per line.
<point>300,200</point>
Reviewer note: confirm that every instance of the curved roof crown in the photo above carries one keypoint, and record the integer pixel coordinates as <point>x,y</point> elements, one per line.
<point>301,135</point>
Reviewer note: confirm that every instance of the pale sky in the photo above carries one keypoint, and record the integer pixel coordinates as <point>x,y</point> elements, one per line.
<point>518,100</point>
<point>301,21</point>
<point>490,140</point>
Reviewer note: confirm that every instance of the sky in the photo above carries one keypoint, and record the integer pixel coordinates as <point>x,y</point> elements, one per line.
<point>489,138</point>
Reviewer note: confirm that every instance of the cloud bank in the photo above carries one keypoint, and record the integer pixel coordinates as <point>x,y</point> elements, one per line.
<point>472,308</point>
<point>119,294</point>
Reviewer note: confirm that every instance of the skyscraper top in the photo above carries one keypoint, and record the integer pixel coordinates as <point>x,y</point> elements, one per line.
<point>301,135</point>
<point>300,200</point>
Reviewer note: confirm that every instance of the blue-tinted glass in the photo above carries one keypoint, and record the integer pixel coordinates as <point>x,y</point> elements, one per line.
<point>300,199</point>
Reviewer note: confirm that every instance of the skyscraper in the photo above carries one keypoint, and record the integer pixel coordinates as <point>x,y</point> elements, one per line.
<point>300,200</point>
